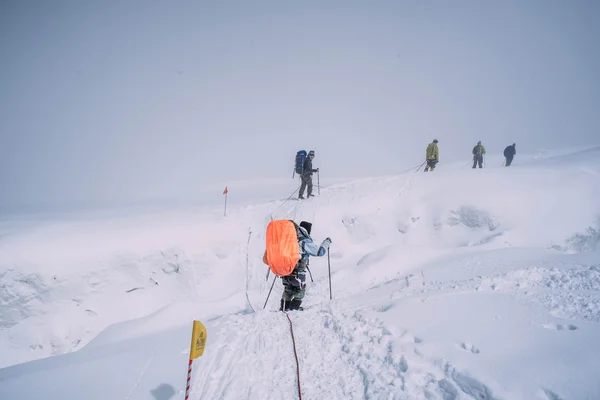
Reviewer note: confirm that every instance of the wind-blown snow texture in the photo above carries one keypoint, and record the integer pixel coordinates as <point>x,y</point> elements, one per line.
<point>457,284</point>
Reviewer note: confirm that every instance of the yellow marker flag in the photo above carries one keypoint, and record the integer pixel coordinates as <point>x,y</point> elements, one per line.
<point>198,340</point>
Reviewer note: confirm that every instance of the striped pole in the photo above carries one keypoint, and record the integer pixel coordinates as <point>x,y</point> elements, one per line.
<point>196,350</point>
<point>189,378</point>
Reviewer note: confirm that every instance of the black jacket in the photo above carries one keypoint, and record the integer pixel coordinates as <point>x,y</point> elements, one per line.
<point>307,169</point>
<point>510,151</point>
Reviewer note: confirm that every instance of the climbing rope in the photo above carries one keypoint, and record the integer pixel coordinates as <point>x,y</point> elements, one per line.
<point>295,355</point>
<point>286,200</point>
<point>418,167</point>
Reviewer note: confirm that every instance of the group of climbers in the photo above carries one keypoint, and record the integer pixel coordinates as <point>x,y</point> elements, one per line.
<point>305,169</point>
<point>432,155</point>
<point>289,245</point>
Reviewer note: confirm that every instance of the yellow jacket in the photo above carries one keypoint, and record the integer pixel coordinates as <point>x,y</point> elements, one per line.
<point>432,152</point>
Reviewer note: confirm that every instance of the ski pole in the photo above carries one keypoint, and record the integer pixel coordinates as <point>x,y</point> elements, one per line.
<point>329,268</point>
<point>273,284</point>
<point>268,271</point>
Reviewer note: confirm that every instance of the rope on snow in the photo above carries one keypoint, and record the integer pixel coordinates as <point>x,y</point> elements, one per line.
<point>286,200</point>
<point>295,355</point>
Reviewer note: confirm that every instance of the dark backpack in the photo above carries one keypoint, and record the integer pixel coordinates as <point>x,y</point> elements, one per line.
<point>300,157</point>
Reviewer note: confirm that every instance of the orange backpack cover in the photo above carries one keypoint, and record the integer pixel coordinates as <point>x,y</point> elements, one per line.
<point>283,252</point>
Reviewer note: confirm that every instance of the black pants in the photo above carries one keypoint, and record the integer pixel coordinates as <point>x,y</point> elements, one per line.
<point>430,165</point>
<point>294,284</point>
<point>508,161</point>
<point>478,160</point>
<point>306,181</point>
<point>294,287</point>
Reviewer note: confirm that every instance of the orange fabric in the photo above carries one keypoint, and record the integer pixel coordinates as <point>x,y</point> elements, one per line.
<point>283,252</point>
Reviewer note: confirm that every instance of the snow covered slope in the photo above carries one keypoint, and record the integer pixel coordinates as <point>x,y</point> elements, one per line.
<point>456,284</point>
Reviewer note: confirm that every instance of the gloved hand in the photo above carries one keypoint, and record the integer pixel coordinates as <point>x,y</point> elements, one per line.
<point>326,243</point>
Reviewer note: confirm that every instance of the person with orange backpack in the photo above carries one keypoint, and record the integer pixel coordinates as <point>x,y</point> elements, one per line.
<point>289,247</point>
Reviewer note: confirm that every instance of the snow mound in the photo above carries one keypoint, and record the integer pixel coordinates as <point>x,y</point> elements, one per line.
<point>582,242</point>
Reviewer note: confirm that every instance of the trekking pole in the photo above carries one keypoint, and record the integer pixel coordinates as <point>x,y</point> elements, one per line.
<point>273,284</point>
<point>318,183</point>
<point>420,166</point>
<point>466,165</point>
<point>329,268</point>
<point>268,271</point>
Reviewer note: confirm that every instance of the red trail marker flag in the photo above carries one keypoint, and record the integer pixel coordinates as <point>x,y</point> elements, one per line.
<point>225,193</point>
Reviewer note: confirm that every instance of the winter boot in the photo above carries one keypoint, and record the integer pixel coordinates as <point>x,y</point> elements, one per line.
<point>295,305</point>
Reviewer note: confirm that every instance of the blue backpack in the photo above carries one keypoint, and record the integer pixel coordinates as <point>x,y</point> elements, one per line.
<point>300,157</point>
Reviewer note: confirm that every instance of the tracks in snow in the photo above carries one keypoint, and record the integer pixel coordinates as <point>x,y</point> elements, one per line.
<point>342,356</point>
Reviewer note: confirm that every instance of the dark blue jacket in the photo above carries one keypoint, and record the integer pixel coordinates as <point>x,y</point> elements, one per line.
<point>307,168</point>
<point>510,151</point>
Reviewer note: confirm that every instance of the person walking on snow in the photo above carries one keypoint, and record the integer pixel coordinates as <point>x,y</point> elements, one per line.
<point>478,152</point>
<point>509,154</point>
<point>306,176</point>
<point>432,155</point>
<point>295,283</point>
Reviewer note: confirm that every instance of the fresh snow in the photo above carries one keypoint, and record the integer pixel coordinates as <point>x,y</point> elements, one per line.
<point>456,284</point>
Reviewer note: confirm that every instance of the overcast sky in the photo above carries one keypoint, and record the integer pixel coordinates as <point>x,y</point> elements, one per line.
<point>118,99</point>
